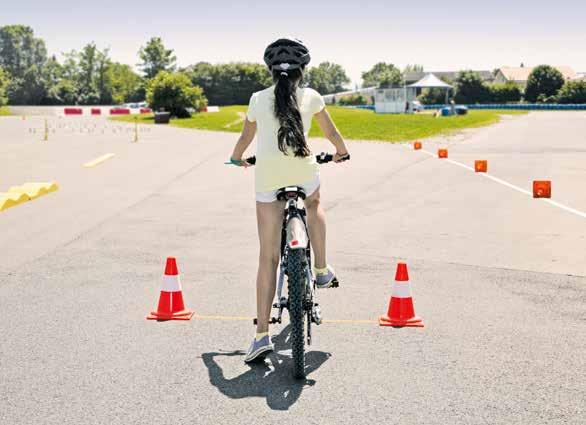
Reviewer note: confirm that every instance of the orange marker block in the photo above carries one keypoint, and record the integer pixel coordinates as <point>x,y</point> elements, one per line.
<point>480,166</point>
<point>442,153</point>
<point>417,145</point>
<point>542,189</point>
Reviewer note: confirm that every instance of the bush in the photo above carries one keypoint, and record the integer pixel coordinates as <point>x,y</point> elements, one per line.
<point>353,99</point>
<point>504,93</point>
<point>543,83</point>
<point>573,92</point>
<point>470,88</point>
<point>175,93</point>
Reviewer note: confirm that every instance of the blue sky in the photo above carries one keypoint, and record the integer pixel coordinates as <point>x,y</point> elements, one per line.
<point>441,35</point>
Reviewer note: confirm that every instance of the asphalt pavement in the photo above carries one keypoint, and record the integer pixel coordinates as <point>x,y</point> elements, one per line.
<point>498,278</point>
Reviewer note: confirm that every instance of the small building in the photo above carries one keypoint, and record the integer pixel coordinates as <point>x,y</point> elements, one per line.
<point>394,100</point>
<point>520,74</point>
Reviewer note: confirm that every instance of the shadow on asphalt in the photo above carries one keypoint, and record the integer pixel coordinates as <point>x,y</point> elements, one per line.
<point>271,378</point>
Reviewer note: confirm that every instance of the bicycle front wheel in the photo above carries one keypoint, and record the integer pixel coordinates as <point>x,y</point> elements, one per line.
<point>297,277</point>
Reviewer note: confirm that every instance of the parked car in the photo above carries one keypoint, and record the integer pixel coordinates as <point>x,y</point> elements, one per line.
<point>417,106</point>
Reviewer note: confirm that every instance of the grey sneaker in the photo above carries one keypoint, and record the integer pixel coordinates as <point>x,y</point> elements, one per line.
<point>259,349</point>
<point>325,280</point>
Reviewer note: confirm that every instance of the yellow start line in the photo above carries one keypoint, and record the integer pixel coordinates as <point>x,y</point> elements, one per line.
<point>243,318</point>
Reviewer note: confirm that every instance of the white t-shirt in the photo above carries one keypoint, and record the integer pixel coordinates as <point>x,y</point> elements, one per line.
<point>274,169</point>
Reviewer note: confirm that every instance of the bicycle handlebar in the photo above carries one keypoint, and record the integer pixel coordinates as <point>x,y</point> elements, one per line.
<point>322,158</point>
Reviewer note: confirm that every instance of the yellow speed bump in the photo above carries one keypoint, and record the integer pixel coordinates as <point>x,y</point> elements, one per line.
<point>35,189</point>
<point>98,160</point>
<point>8,199</point>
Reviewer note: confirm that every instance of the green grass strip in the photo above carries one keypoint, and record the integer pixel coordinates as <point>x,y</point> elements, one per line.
<point>356,124</point>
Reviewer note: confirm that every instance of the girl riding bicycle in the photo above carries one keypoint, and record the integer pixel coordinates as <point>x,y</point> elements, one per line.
<point>280,116</point>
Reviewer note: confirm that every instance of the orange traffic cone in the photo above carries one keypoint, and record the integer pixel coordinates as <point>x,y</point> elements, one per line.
<point>401,312</point>
<point>171,299</point>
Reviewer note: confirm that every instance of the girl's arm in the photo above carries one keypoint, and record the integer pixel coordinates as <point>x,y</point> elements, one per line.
<point>244,140</point>
<point>331,132</point>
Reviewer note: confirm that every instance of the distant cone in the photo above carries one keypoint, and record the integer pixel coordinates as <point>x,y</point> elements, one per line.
<point>401,312</point>
<point>171,306</point>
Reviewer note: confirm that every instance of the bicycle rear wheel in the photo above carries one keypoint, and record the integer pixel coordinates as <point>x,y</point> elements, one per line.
<point>297,277</point>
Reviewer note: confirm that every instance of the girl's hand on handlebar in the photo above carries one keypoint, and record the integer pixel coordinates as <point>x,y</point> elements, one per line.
<point>239,162</point>
<point>340,157</point>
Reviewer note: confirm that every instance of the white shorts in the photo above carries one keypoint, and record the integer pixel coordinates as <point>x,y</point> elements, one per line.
<point>271,196</point>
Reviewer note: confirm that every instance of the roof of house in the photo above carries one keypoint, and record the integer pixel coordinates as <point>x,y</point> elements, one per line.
<point>521,73</point>
<point>411,77</point>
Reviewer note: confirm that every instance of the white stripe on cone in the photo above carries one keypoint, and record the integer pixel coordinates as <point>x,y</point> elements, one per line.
<point>402,290</point>
<point>171,284</point>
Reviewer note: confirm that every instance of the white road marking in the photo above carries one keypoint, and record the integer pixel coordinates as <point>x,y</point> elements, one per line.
<point>241,118</point>
<point>504,183</point>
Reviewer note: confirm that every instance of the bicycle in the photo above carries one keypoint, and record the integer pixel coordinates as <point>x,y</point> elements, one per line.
<point>295,263</point>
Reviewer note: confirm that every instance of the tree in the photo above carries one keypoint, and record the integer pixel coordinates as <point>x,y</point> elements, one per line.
<point>327,78</point>
<point>19,49</point>
<point>544,82</point>
<point>102,75</point>
<point>231,83</point>
<point>175,93</point>
<point>382,75</point>
<point>156,58</point>
<point>4,81</point>
<point>52,76</point>
<point>22,56</point>
<point>127,85</point>
<point>67,88</point>
<point>572,92</point>
<point>470,88</point>
<point>86,75</point>
<point>413,68</point>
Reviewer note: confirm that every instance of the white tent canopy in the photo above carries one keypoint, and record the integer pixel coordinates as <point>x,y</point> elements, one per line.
<point>430,81</point>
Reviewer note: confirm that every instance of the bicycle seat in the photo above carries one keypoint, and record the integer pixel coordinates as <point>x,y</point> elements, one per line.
<point>290,192</point>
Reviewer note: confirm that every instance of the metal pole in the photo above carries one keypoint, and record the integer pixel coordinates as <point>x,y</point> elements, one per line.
<point>135,129</point>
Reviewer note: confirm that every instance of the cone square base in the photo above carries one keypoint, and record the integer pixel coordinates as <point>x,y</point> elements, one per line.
<point>414,322</point>
<point>180,315</point>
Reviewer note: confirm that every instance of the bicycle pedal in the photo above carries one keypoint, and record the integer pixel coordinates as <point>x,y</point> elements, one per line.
<point>316,316</point>
<point>273,321</point>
